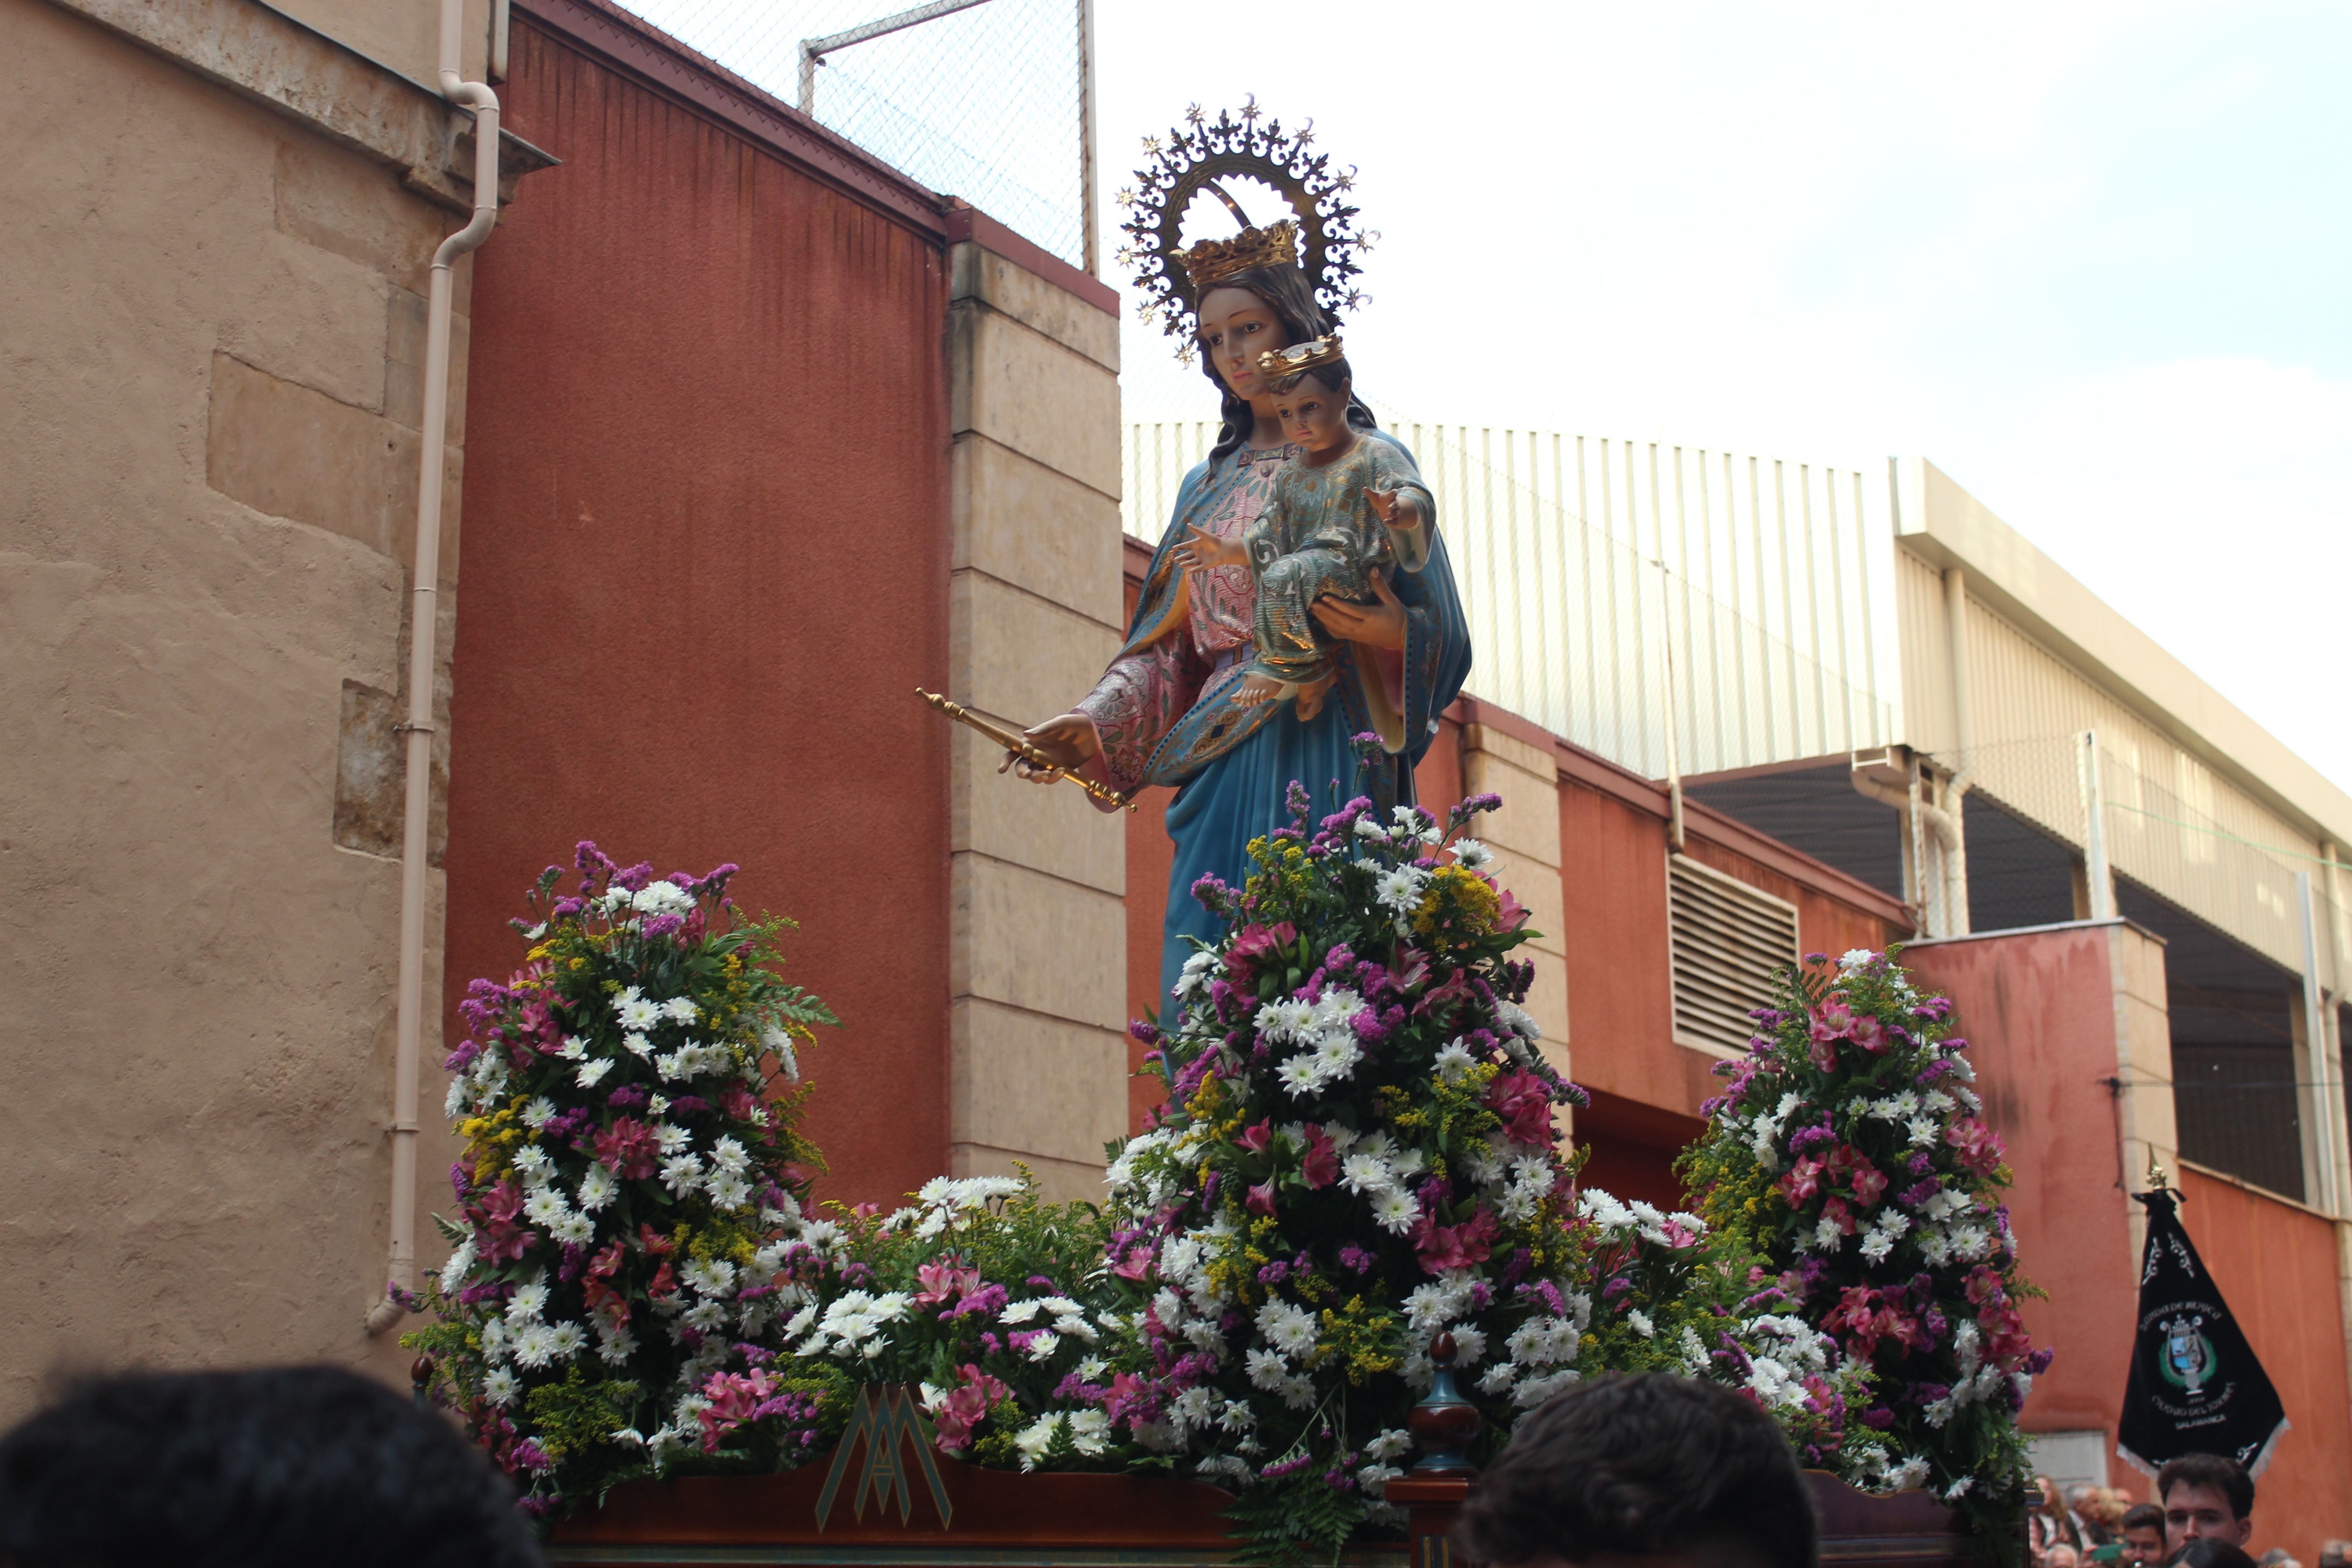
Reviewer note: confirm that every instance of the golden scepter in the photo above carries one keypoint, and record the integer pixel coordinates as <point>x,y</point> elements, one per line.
<point>1024,747</point>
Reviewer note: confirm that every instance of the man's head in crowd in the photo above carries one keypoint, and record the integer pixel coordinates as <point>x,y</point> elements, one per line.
<point>1650,1469</point>
<point>291,1467</point>
<point>2143,1535</point>
<point>2060,1555</point>
<point>2205,1497</point>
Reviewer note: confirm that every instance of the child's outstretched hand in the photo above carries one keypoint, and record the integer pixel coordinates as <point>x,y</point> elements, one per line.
<point>1206,550</point>
<point>1393,508</point>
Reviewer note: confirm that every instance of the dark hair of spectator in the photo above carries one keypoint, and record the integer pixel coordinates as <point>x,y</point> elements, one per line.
<point>2143,1516</point>
<point>288,1468</point>
<point>2225,1476</point>
<point>2204,1552</point>
<point>1643,1464</point>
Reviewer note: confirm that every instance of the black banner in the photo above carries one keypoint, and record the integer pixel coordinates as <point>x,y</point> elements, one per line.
<point>2196,1387</point>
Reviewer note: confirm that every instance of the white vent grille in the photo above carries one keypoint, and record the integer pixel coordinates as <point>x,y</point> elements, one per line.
<point>1729,943</point>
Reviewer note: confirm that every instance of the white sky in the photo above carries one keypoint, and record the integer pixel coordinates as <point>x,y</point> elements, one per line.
<point>2089,259</point>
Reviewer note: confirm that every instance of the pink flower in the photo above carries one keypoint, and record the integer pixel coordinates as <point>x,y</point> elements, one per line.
<point>734,1398</point>
<point>1255,1139</point>
<point>1802,1182</point>
<point>1135,1264</point>
<point>498,1232</point>
<point>1511,916</point>
<point>944,1282</point>
<point>1261,1198</point>
<point>966,1406</point>
<point>1868,1181</point>
<point>628,1149</point>
<point>1524,1102</point>
<point>1321,1167</point>
<point>1252,946</point>
<point>1833,1022</point>
<point>1834,1212</point>
<point>1464,1245</point>
<point>1868,1033</point>
<point>1981,1148</point>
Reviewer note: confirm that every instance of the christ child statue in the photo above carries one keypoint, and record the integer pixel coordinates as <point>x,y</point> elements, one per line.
<point>1342,509</point>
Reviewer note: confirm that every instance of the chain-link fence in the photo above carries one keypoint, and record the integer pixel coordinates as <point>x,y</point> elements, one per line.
<point>1609,586</point>
<point>987,102</point>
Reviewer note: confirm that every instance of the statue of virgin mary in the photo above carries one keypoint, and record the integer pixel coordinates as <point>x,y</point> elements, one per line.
<point>1165,711</point>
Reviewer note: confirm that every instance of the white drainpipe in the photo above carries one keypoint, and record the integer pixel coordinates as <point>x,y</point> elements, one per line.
<point>423,638</point>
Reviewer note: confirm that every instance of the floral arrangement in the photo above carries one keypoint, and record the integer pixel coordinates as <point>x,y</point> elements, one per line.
<point>988,1299</point>
<point>631,1191</point>
<point>1357,1152</point>
<point>1848,1153</point>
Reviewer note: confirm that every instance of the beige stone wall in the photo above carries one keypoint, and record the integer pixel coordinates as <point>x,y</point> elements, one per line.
<point>208,451</point>
<point>1524,836</point>
<point>1037,934</point>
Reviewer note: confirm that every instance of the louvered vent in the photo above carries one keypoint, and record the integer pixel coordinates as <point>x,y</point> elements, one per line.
<point>1729,941</point>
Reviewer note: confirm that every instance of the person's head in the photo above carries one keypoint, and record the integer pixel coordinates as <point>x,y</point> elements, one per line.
<point>2142,1534</point>
<point>1624,1469</point>
<point>1241,317</point>
<point>2335,1554</point>
<point>2205,1497</point>
<point>287,1467</point>
<point>2208,1551</point>
<point>2060,1554</point>
<point>1313,407</point>
<point>2046,1498</point>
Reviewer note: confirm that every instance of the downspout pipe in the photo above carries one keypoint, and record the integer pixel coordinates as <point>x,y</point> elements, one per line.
<point>423,627</point>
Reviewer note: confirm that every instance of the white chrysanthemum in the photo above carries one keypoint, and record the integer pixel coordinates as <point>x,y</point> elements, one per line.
<point>672,1137</point>
<point>572,1230</point>
<point>663,898</point>
<point>593,1073</point>
<point>1516,1019</point>
<point>545,1205</point>
<point>453,1273</point>
<point>709,1277</point>
<point>1336,1057</point>
<point>598,1188</point>
<point>1193,982</point>
<point>1286,1019</point>
<point>1471,855</point>
<point>1289,1328</point>
<point>1390,1443</point>
<point>682,1174</point>
<point>1640,1322</point>
<point>614,1345</point>
<point>453,1101</point>
<point>1400,891</point>
<point>1395,1211</point>
<point>534,1164</point>
<point>1453,1064</point>
<point>1043,1347</point>
<point>1603,1209</point>
<point>1539,1390</point>
<point>638,1042</point>
<point>1498,1377</point>
<point>1367,828</point>
<point>527,1303</point>
<point>728,1190</point>
<point>1297,1075</point>
<point>1544,1341</point>
<point>681,1010</point>
<point>1855,958</point>
<point>1267,1370</point>
<point>1366,1175</point>
<point>502,1386</point>
<point>534,1345</point>
<point>636,1012</point>
<point>538,1112</point>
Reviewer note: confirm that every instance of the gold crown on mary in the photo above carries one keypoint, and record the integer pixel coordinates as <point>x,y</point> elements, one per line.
<point>1319,239</point>
<point>1281,367</point>
<point>1213,262</point>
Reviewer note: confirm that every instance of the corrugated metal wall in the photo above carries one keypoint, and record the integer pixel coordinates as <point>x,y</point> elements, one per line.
<point>2174,825</point>
<point>1610,582</point>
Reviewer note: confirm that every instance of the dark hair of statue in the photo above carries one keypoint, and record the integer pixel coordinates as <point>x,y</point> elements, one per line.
<point>1285,292</point>
<point>1336,376</point>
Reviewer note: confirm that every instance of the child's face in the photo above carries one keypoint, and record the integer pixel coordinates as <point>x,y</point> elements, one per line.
<point>1312,416</point>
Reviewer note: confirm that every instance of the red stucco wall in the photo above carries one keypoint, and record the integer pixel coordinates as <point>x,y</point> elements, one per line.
<point>706,559</point>
<point>2038,1010</point>
<point>2275,1264</point>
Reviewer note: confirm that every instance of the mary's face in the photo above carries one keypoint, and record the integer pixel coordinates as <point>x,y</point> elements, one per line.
<point>1237,326</point>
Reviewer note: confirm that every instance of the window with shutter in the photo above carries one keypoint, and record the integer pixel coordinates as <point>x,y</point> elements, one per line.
<point>1728,942</point>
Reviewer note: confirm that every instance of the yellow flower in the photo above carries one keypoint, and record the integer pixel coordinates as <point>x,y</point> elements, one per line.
<point>1458,905</point>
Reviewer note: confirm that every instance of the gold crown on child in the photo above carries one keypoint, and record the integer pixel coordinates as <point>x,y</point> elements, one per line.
<point>1213,262</point>
<point>1282,366</point>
